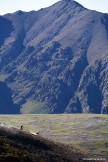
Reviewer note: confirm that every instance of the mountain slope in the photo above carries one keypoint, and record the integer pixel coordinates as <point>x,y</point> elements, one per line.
<point>19,146</point>
<point>6,103</point>
<point>55,60</point>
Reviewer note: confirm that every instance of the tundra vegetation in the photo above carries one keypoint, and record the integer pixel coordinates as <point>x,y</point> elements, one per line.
<point>86,132</point>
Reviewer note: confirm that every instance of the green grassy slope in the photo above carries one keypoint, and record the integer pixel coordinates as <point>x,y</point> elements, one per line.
<point>19,146</point>
<point>86,132</point>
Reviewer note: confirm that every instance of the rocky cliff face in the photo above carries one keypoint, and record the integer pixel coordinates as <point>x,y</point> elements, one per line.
<point>55,60</point>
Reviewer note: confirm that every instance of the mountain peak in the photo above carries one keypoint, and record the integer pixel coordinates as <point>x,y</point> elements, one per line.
<point>72,2</point>
<point>19,12</point>
<point>68,0</point>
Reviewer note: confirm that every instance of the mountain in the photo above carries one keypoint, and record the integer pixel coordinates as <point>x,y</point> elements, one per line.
<point>16,145</point>
<point>55,60</point>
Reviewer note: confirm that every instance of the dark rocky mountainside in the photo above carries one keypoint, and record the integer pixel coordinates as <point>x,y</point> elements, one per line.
<point>6,103</point>
<point>55,60</point>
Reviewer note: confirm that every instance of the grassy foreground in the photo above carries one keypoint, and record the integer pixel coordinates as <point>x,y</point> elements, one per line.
<point>20,146</point>
<point>87,132</point>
